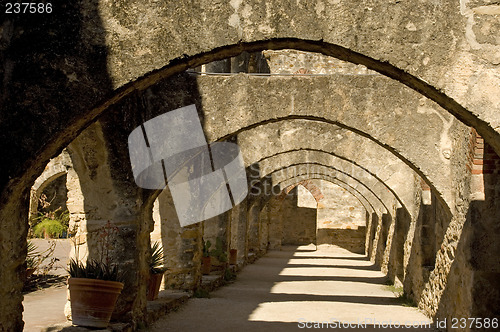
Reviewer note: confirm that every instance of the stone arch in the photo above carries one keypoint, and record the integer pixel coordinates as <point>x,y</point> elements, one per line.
<point>310,187</point>
<point>356,239</point>
<point>367,204</point>
<point>336,141</point>
<point>320,158</point>
<point>375,202</point>
<point>384,120</point>
<point>253,155</point>
<point>383,114</point>
<point>182,63</point>
<point>383,203</point>
<point>232,33</point>
<point>56,168</point>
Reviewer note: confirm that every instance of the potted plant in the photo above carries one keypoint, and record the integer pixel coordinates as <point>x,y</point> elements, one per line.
<point>206,263</point>
<point>233,256</point>
<point>95,286</point>
<point>219,255</point>
<point>156,271</point>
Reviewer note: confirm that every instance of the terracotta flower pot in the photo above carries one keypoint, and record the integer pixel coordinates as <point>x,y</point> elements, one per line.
<point>206,265</point>
<point>93,301</point>
<point>233,256</point>
<point>154,286</point>
<point>29,273</point>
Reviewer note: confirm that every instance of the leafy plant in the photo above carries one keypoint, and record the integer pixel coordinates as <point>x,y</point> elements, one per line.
<point>400,294</point>
<point>35,258</point>
<point>50,227</point>
<point>206,248</point>
<point>406,300</point>
<point>219,252</point>
<point>398,291</point>
<point>201,293</point>
<point>229,274</point>
<point>157,257</point>
<point>57,216</point>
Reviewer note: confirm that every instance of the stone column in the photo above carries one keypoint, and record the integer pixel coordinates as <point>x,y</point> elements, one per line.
<point>383,234</point>
<point>181,245</point>
<point>402,224</point>
<point>373,233</point>
<point>238,231</point>
<point>76,209</point>
<point>386,255</point>
<point>275,223</point>
<point>13,233</point>
<point>102,192</point>
<point>264,229</point>
<point>254,228</point>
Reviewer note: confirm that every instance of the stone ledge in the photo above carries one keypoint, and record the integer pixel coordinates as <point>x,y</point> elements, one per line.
<point>68,327</point>
<point>167,301</point>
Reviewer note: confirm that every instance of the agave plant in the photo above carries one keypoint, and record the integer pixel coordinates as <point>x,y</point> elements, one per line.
<point>31,258</point>
<point>94,270</point>
<point>156,264</point>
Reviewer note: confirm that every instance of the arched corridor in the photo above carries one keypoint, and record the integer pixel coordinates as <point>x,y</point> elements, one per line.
<point>393,104</point>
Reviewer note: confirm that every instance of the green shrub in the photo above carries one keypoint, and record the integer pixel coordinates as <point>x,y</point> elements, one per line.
<point>229,275</point>
<point>201,293</point>
<point>53,228</point>
<point>219,252</point>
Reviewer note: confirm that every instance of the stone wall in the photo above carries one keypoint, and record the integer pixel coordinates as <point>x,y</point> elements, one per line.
<point>308,63</point>
<point>181,245</point>
<point>299,223</point>
<point>340,216</point>
<point>239,238</point>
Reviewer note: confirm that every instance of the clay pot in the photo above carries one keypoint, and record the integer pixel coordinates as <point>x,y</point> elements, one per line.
<point>29,273</point>
<point>233,256</point>
<point>93,301</point>
<point>206,265</point>
<point>154,286</point>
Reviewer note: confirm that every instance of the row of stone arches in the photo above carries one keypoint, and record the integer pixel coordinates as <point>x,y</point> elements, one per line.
<point>429,69</point>
<point>86,153</point>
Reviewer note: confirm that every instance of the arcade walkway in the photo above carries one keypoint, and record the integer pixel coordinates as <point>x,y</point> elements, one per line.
<point>296,285</point>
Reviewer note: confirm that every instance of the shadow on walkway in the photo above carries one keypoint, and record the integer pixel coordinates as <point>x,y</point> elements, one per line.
<point>297,289</point>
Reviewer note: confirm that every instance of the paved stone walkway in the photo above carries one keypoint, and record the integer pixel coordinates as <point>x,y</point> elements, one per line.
<point>44,308</point>
<point>293,288</point>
